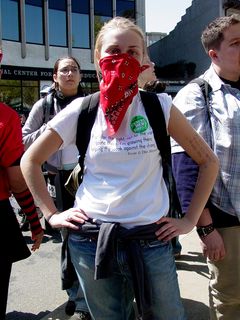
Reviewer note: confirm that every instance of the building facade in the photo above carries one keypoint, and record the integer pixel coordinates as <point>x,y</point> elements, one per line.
<point>179,56</point>
<point>35,33</point>
<point>153,37</point>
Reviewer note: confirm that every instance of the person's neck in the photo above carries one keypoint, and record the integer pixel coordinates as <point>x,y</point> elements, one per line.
<point>227,75</point>
<point>69,93</point>
<point>234,84</point>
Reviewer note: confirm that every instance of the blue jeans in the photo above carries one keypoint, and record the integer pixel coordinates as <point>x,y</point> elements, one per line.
<point>75,294</point>
<point>113,298</point>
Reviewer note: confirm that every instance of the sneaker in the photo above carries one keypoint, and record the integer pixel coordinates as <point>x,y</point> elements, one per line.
<point>70,308</point>
<point>81,315</point>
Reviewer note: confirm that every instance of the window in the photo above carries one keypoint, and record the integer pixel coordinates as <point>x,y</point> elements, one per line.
<point>89,87</point>
<point>34,21</point>
<point>99,22</point>
<point>103,12</point>
<point>125,8</point>
<point>10,19</point>
<point>19,94</point>
<point>103,8</point>
<point>57,23</point>
<point>30,93</point>
<point>80,24</point>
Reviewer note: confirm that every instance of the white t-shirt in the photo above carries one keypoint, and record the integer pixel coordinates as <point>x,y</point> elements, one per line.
<point>69,157</point>
<point>123,179</point>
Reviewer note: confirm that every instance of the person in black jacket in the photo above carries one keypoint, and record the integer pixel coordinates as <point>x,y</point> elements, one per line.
<point>66,87</point>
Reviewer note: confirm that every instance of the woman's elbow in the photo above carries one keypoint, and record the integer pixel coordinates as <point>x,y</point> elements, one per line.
<point>28,161</point>
<point>211,162</point>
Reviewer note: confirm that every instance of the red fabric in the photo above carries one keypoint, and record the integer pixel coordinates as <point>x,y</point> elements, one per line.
<point>26,202</point>
<point>118,87</point>
<point>11,146</point>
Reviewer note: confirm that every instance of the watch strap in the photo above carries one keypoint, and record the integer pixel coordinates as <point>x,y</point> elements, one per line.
<point>203,231</point>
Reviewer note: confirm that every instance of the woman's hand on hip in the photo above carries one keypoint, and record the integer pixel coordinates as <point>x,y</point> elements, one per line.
<point>69,218</point>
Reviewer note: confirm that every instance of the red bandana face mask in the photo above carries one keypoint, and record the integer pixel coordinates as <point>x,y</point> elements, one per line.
<point>118,87</point>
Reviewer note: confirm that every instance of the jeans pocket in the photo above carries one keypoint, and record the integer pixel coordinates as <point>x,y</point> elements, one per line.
<point>76,237</point>
<point>153,243</point>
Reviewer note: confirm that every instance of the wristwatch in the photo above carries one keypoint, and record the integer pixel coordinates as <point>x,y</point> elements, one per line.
<point>203,231</point>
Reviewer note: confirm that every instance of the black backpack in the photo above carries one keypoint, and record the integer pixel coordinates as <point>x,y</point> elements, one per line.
<point>156,119</point>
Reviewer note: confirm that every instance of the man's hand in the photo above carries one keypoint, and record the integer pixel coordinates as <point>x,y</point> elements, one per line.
<point>213,246</point>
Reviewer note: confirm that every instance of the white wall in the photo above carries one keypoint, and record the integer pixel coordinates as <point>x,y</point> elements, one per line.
<point>35,56</point>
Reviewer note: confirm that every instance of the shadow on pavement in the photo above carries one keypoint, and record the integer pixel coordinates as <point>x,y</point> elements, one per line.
<point>54,237</point>
<point>16,315</point>
<point>193,257</point>
<point>193,262</point>
<point>191,306</point>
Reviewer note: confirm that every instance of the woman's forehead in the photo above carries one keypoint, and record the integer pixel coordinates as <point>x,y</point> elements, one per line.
<point>119,34</point>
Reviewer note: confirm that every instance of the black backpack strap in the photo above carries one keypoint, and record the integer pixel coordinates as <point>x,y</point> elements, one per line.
<point>157,121</point>
<point>48,107</point>
<point>86,120</point>
<point>206,90</point>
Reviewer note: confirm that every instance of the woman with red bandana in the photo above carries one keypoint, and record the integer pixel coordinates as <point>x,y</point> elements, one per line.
<point>13,246</point>
<point>119,229</point>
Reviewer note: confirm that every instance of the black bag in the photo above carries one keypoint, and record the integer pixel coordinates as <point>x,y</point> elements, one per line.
<point>73,182</point>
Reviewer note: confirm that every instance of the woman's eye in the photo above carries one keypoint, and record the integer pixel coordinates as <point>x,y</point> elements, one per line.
<point>133,53</point>
<point>236,43</point>
<point>115,50</point>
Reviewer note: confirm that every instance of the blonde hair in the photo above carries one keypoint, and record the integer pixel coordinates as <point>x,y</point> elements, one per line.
<point>120,23</point>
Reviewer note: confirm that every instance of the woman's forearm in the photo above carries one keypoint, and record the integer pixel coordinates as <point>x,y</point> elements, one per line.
<point>205,182</point>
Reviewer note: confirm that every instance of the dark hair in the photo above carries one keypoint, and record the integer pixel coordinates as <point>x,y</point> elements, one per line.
<point>154,86</point>
<point>56,64</point>
<point>213,34</point>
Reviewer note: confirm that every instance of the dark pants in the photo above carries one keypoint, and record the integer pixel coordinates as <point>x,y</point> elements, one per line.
<point>63,201</point>
<point>6,268</point>
<point>12,248</point>
<point>61,197</point>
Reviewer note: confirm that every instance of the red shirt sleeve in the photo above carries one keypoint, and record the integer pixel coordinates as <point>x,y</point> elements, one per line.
<point>11,146</point>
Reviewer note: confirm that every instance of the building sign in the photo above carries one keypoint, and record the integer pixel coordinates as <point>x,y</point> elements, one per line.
<point>25,73</point>
<point>89,76</point>
<point>31,73</point>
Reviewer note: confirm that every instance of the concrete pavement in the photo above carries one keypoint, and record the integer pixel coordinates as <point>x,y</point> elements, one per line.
<point>35,291</point>
<point>193,278</point>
